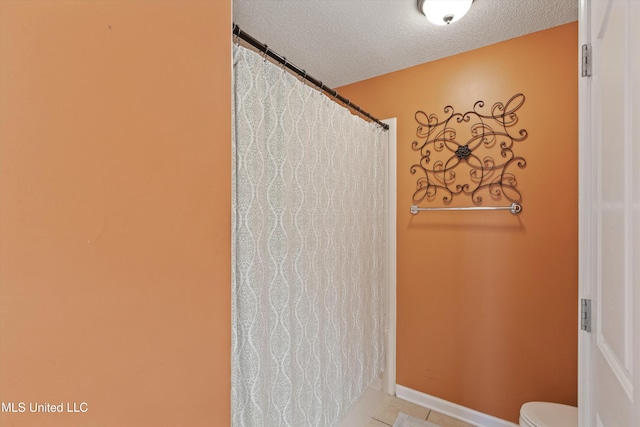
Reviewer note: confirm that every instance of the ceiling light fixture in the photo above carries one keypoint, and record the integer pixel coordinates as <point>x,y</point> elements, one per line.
<point>443,12</point>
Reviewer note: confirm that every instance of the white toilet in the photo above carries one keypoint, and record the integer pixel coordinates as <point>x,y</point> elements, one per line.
<point>546,414</point>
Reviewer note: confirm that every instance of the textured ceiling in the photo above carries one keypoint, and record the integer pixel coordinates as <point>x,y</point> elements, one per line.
<point>344,41</point>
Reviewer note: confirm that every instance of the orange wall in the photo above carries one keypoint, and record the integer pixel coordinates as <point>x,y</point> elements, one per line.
<point>115,211</point>
<point>487,301</point>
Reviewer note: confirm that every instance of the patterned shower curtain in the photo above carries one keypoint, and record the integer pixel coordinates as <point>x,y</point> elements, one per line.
<point>308,237</point>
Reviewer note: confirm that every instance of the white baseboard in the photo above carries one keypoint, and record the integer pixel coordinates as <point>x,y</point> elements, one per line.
<point>451,409</point>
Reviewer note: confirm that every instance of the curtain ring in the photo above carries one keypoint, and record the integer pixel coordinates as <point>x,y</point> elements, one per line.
<point>304,78</point>
<point>264,56</point>
<point>284,65</point>
<point>236,30</point>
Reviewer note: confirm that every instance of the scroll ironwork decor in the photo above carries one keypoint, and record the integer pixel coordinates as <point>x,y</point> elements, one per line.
<point>469,154</point>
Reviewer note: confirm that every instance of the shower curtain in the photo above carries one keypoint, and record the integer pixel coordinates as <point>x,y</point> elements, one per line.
<point>308,245</point>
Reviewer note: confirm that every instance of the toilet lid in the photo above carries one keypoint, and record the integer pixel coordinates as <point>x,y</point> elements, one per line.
<point>545,414</point>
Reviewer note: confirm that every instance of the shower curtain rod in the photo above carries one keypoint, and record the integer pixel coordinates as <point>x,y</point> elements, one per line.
<point>302,73</point>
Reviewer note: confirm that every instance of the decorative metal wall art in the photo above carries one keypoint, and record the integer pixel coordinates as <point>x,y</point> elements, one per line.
<point>470,154</point>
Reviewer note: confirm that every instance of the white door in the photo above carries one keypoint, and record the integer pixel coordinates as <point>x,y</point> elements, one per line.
<point>610,214</point>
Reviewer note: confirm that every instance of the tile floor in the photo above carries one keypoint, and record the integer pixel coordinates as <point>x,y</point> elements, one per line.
<point>387,412</point>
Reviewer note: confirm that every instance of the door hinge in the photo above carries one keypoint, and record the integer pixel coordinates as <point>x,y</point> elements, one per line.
<point>585,315</point>
<point>586,60</point>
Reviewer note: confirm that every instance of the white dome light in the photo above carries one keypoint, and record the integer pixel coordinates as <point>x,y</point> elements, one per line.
<point>442,12</point>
